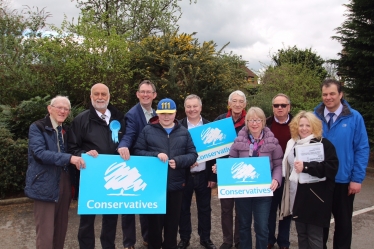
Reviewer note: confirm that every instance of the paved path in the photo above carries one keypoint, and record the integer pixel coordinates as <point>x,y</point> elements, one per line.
<point>17,227</point>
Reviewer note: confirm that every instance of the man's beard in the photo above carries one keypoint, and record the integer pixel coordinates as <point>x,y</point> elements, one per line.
<point>101,105</point>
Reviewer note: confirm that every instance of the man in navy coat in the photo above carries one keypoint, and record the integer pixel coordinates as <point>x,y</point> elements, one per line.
<point>136,119</point>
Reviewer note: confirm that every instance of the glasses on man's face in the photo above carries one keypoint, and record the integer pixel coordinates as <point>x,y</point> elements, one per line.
<point>280,105</point>
<point>60,108</point>
<point>146,92</point>
<point>252,121</point>
<point>234,101</point>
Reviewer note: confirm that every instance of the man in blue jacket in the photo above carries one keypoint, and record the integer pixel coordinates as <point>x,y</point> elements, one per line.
<point>345,128</point>
<point>136,118</point>
<point>47,176</point>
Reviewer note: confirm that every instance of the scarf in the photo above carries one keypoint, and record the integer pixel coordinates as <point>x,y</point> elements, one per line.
<point>240,121</point>
<point>255,144</point>
<point>294,177</point>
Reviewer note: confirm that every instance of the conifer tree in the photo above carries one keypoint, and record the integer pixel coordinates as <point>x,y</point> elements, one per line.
<point>356,61</point>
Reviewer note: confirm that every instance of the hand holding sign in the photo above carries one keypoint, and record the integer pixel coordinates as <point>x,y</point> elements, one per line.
<point>163,157</point>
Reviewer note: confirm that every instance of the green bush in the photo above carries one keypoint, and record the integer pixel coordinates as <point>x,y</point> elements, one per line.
<point>13,163</point>
<point>18,119</point>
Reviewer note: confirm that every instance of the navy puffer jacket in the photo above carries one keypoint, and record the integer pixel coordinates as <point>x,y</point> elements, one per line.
<point>177,145</point>
<point>44,162</point>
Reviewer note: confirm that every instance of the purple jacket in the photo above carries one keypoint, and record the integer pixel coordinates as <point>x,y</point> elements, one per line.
<point>270,148</point>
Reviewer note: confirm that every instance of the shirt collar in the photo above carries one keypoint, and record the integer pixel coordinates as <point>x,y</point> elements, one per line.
<point>106,113</point>
<point>285,122</point>
<point>337,112</point>
<point>191,125</point>
<point>146,111</point>
<point>54,122</point>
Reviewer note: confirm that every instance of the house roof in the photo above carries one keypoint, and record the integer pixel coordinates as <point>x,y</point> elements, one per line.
<point>250,73</point>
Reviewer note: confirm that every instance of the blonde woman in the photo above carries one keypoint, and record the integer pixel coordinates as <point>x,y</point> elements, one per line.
<point>309,203</point>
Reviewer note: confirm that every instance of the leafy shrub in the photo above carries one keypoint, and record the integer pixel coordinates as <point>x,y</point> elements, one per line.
<point>18,119</point>
<point>13,163</point>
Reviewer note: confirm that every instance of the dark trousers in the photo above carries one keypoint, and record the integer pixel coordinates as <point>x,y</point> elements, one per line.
<point>86,233</point>
<point>129,230</point>
<point>342,209</point>
<point>227,214</point>
<point>199,184</point>
<point>259,208</point>
<point>309,236</point>
<point>168,223</point>
<point>51,219</point>
<point>283,238</point>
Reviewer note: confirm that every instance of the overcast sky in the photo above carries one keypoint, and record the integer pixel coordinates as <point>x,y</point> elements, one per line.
<point>255,29</point>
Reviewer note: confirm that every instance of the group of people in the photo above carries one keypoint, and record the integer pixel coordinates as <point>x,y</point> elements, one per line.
<point>53,148</point>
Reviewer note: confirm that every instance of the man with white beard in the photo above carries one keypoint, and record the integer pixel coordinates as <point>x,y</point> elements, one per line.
<point>91,133</point>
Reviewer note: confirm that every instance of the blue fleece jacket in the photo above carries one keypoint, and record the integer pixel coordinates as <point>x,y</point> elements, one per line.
<point>349,136</point>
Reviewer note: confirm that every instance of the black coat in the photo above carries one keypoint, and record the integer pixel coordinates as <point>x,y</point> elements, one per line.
<point>209,175</point>
<point>178,145</point>
<point>89,132</point>
<point>313,201</point>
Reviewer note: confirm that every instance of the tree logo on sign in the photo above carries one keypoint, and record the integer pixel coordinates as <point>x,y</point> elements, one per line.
<point>244,171</point>
<point>122,177</point>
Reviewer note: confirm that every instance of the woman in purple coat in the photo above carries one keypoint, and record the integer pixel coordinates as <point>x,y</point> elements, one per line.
<point>255,140</point>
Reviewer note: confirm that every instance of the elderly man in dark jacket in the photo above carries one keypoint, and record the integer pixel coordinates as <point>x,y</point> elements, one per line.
<point>47,176</point>
<point>168,140</point>
<point>95,131</point>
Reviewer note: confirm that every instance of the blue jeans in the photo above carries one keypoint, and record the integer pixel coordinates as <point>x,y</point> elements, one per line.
<point>260,208</point>
<point>196,183</point>
<point>283,238</point>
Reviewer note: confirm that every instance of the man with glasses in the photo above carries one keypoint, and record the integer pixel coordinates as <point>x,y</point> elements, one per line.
<point>136,119</point>
<point>47,176</point>
<point>278,124</point>
<point>90,133</point>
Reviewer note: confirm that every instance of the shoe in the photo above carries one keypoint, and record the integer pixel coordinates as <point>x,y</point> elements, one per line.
<point>225,246</point>
<point>208,244</point>
<point>183,244</point>
<point>270,246</point>
<point>237,245</point>
<point>145,244</point>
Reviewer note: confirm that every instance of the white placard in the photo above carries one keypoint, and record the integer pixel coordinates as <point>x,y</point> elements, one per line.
<point>308,153</point>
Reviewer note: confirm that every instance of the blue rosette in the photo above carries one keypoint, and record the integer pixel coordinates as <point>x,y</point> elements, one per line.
<point>115,126</point>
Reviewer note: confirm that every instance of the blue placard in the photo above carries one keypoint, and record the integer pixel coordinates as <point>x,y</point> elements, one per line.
<point>213,140</point>
<point>111,185</point>
<point>244,177</point>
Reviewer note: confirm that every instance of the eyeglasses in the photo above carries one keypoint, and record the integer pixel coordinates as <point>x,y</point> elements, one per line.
<point>281,105</point>
<point>252,121</point>
<point>237,101</point>
<point>145,92</point>
<point>60,108</point>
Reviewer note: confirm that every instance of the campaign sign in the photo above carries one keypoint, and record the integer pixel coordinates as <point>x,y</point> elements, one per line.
<point>111,185</point>
<point>244,177</point>
<point>213,140</point>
